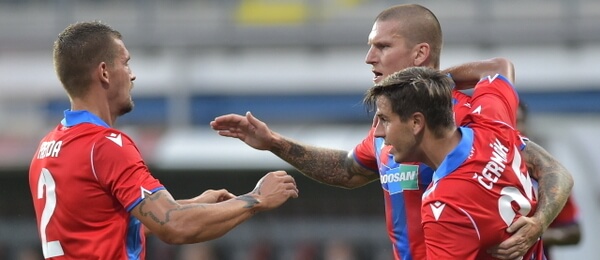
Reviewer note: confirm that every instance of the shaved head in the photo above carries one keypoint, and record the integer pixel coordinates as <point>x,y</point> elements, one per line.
<point>416,24</point>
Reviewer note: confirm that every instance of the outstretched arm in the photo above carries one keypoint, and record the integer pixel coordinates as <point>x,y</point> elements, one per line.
<point>330,166</point>
<point>555,184</point>
<point>193,222</point>
<point>209,196</point>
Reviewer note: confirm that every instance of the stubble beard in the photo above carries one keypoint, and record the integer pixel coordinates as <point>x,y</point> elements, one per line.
<point>127,108</point>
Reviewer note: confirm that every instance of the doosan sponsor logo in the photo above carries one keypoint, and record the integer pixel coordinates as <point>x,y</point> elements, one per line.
<point>399,177</point>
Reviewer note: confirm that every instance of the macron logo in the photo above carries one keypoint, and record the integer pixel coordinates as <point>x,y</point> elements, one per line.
<point>477,110</point>
<point>116,138</point>
<point>437,208</point>
<point>490,78</point>
<point>144,192</point>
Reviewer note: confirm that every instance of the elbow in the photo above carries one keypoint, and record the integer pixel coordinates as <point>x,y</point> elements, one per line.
<point>568,179</point>
<point>504,67</point>
<point>571,181</point>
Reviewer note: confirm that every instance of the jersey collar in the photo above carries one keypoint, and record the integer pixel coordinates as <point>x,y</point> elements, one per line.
<point>457,156</point>
<point>73,118</point>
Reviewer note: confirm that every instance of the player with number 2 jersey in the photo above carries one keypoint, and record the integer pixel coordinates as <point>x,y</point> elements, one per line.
<point>77,191</point>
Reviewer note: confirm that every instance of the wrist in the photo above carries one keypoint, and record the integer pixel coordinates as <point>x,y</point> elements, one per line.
<point>278,144</point>
<point>251,202</point>
<point>541,219</point>
<point>274,141</point>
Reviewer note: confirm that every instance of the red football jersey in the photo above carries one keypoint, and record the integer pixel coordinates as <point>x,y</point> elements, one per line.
<point>84,178</point>
<point>402,190</point>
<point>494,98</point>
<point>482,186</point>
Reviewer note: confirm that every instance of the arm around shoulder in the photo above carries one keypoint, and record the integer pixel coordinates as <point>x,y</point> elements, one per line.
<point>554,187</point>
<point>554,182</point>
<point>466,75</point>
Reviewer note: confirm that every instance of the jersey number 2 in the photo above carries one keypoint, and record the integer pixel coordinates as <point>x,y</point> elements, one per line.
<point>49,248</point>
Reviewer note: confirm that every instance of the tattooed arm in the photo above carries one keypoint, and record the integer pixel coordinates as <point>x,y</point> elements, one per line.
<point>325,165</point>
<point>191,222</point>
<point>209,196</point>
<point>554,187</point>
<point>554,180</point>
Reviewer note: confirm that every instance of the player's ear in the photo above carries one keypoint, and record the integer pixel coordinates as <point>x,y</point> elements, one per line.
<point>420,53</point>
<point>101,72</point>
<point>418,122</point>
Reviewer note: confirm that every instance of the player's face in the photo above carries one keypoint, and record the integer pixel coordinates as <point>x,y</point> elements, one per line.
<point>388,50</point>
<point>396,133</point>
<point>121,79</point>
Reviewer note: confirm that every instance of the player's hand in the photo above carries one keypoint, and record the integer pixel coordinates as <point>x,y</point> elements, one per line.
<point>248,128</point>
<point>213,196</point>
<point>274,189</point>
<point>528,231</point>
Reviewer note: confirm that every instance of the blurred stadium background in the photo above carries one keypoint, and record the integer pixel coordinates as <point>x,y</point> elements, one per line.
<point>299,66</point>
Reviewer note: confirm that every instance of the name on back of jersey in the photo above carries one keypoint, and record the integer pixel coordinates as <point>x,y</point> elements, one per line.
<point>495,167</point>
<point>49,149</point>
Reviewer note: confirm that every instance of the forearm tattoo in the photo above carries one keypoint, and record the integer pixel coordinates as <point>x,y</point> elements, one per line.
<point>162,219</point>
<point>328,166</point>
<point>555,182</point>
<point>250,201</point>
